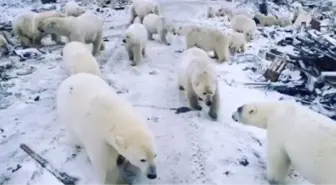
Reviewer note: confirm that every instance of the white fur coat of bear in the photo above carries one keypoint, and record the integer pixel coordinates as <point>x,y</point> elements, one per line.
<point>208,39</point>
<point>197,77</point>
<point>135,40</point>
<point>265,20</point>
<point>156,24</point>
<point>77,58</point>
<point>237,42</point>
<point>296,136</point>
<point>71,8</point>
<point>98,119</point>
<point>25,27</point>
<point>141,8</point>
<point>244,24</point>
<point>86,28</point>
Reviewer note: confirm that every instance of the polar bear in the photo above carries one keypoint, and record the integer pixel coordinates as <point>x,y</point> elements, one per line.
<point>98,119</point>
<point>77,58</point>
<point>25,27</point>
<point>197,76</point>
<point>86,28</point>
<point>244,24</point>
<point>301,17</point>
<point>237,42</point>
<point>141,8</point>
<point>265,20</point>
<point>135,40</point>
<point>71,8</point>
<point>208,39</point>
<point>156,24</point>
<point>296,135</point>
<point>284,21</point>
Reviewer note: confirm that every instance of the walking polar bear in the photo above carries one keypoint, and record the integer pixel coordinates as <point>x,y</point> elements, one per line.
<point>87,28</point>
<point>104,123</point>
<point>141,8</point>
<point>244,24</point>
<point>156,24</point>
<point>77,58</point>
<point>197,76</point>
<point>71,8</point>
<point>296,135</point>
<point>25,26</point>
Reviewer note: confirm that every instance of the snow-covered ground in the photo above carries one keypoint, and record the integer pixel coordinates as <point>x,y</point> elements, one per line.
<point>192,148</point>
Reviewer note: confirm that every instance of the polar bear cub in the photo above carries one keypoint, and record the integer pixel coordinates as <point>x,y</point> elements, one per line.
<point>197,76</point>
<point>296,135</point>
<point>101,121</point>
<point>244,24</point>
<point>87,28</point>
<point>135,40</point>
<point>25,27</point>
<point>156,24</point>
<point>77,58</point>
<point>71,8</point>
<point>237,42</point>
<point>141,8</point>
<point>208,39</point>
<point>265,20</point>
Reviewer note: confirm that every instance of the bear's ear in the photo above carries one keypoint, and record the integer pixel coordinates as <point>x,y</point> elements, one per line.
<point>121,142</point>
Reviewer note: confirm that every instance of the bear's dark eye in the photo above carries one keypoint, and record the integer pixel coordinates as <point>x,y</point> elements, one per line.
<point>204,93</point>
<point>143,160</point>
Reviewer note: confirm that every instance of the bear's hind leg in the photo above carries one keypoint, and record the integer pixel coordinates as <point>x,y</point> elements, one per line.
<point>192,97</point>
<point>130,53</point>
<point>25,41</point>
<point>97,44</point>
<point>143,51</point>
<point>137,52</point>
<point>213,111</point>
<point>163,36</point>
<point>278,164</point>
<point>222,53</point>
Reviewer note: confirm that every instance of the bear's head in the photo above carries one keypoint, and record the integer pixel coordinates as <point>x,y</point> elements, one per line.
<point>255,114</point>
<point>205,86</point>
<point>128,38</point>
<point>80,10</point>
<point>46,25</point>
<point>140,151</point>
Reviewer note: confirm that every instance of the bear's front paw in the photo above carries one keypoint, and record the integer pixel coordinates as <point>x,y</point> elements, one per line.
<point>133,64</point>
<point>213,115</point>
<point>197,107</point>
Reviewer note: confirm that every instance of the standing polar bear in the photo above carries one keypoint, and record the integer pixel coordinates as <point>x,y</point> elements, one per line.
<point>265,20</point>
<point>87,28</point>
<point>197,76</point>
<point>156,24</point>
<point>296,135</point>
<point>25,26</point>
<point>237,42</point>
<point>77,58</point>
<point>141,8</point>
<point>71,8</point>
<point>208,39</point>
<point>104,123</point>
<point>244,24</point>
<point>135,41</point>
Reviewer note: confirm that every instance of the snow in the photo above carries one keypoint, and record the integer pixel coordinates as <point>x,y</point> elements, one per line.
<point>192,148</point>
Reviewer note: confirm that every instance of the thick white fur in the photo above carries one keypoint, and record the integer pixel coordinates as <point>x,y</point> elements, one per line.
<point>284,21</point>
<point>266,20</point>
<point>141,8</point>
<point>104,123</point>
<point>208,39</point>
<point>86,28</point>
<point>197,76</point>
<point>71,8</point>
<point>25,27</point>
<point>135,40</point>
<point>156,24</point>
<point>237,42</point>
<point>77,58</point>
<point>244,24</point>
<point>296,135</point>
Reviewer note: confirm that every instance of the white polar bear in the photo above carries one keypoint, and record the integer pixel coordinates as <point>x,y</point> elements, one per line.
<point>141,8</point>
<point>296,135</point>
<point>284,21</point>
<point>265,20</point>
<point>208,39</point>
<point>77,58</point>
<point>301,16</point>
<point>237,42</point>
<point>156,24</point>
<point>25,27</point>
<point>71,8</point>
<point>87,28</point>
<point>102,122</point>
<point>135,40</point>
<point>244,24</point>
<point>197,76</point>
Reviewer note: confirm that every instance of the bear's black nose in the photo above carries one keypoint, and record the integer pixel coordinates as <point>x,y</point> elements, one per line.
<point>124,41</point>
<point>208,103</point>
<point>151,176</point>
